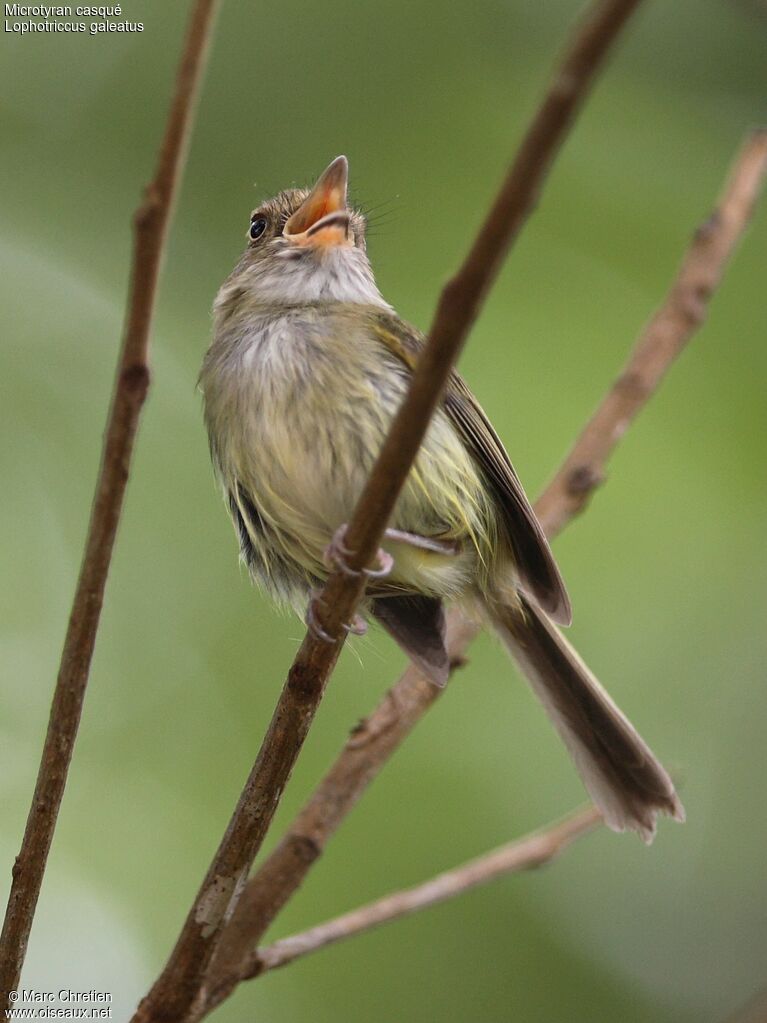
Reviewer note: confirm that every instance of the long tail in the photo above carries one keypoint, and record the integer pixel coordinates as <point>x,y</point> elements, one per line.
<point>619,770</point>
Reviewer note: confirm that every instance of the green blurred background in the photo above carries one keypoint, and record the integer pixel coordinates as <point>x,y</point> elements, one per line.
<point>667,570</point>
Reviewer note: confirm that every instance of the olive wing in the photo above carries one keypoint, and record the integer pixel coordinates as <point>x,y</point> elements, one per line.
<point>538,575</point>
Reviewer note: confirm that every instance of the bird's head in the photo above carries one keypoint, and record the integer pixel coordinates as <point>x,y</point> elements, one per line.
<point>308,245</point>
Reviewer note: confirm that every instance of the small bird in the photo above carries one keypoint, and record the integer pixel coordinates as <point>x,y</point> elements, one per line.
<point>307,367</point>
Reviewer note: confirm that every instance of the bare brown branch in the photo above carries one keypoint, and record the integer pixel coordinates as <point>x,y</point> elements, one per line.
<point>662,340</point>
<point>178,992</point>
<point>370,746</point>
<point>523,854</point>
<point>130,389</point>
<point>755,1010</point>
<point>367,750</point>
<point>461,297</point>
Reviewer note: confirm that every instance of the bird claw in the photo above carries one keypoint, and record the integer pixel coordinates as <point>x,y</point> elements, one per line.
<point>385,560</point>
<point>335,556</point>
<point>337,552</point>
<point>312,621</point>
<point>357,627</point>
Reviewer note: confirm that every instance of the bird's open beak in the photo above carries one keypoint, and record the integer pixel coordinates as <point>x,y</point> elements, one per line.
<point>322,219</point>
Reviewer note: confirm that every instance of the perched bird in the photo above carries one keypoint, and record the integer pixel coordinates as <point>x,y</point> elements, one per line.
<point>307,367</point>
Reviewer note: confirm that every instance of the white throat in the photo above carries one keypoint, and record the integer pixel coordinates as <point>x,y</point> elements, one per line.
<point>338,274</point>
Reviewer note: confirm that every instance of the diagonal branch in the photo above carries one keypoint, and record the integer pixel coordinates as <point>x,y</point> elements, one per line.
<point>662,340</point>
<point>375,740</point>
<point>178,994</point>
<point>151,228</point>
<point>366,752</point>
<point>754,1011</point>
<point>533,850</point>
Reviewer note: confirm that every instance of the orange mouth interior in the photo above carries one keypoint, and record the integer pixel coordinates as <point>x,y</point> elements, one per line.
<point>327,197</point>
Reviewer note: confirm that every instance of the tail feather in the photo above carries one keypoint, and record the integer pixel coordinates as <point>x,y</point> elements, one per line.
<point>619,770</point>
<point>417,623</point>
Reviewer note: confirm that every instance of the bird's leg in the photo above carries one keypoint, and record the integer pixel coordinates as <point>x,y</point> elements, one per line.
<point>424,543</point>
<point>337,552</point>
<point>335,556</point>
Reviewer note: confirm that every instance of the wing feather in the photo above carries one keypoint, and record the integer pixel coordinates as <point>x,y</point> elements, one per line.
<point>538,575</point>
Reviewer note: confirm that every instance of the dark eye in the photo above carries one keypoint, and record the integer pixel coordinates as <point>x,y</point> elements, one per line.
<point>257,227</point>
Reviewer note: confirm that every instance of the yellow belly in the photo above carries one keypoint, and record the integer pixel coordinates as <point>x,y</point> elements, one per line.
<point>299,425</point>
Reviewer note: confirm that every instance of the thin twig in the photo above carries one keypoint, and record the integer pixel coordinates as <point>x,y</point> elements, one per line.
<point>178,992</point>
<point>462,296</point>
<point>533,850</point>
<point>663,339</point>
<point>367,750</point>
<point>132,382</point>
<point>754,1011</point>
<point>375,740</point>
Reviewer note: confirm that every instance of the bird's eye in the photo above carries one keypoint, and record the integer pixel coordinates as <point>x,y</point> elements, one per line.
<point>257,227</point>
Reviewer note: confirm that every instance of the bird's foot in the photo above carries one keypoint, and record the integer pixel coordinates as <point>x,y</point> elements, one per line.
<point>357,627</point>
<point>312,619</point>
<point>337,552</point>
